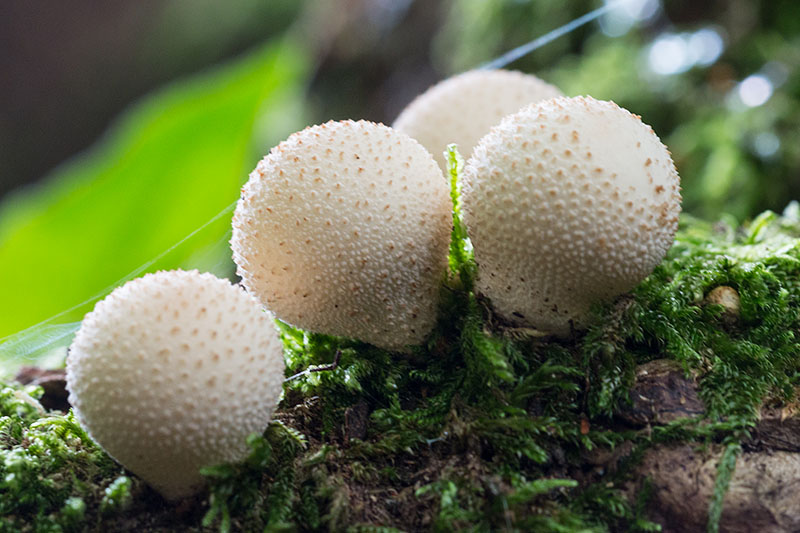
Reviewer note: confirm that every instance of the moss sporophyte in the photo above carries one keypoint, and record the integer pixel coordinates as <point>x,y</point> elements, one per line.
<point>485,426</point>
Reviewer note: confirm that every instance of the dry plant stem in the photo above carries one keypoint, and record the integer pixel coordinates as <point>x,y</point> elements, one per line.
<point>324,368</point>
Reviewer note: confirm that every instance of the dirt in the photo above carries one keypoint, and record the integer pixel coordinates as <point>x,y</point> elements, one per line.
<point>661,394</point>
<point>53,382</point>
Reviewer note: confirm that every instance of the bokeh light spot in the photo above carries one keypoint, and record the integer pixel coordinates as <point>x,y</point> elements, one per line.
<point>755,90</point>
<point>766,144</point>
<point>626,14</point>
<point>705,46</point>
<point>669,54</point>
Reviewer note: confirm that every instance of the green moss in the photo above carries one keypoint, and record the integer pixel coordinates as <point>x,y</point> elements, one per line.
<point>50,471</point>
<point>481,428</point>
<point>740,364</point>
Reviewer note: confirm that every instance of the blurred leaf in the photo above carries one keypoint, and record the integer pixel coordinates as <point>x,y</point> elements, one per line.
<point>169,165</point>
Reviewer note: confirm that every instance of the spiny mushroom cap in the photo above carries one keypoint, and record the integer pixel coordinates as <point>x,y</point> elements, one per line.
<point>171,372</point>
<point>462,109</point>
<point>344,229</point>
<point>568,202</point>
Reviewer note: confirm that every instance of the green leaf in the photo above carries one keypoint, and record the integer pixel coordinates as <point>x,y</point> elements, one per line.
<point>170,164</point>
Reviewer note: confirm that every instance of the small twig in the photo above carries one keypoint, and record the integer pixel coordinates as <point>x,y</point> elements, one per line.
<point>322,368</point>
<point>332,366</point>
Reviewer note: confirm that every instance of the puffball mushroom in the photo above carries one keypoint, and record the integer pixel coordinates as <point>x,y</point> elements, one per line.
<point>171,372</point>
<point>567,202</point>
<point>463,108</point>
<point>344,229</point>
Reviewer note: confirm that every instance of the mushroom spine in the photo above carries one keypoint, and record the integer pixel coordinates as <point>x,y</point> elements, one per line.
<point>568,202</point>
<point>344,229</point>
<point>171,372</point>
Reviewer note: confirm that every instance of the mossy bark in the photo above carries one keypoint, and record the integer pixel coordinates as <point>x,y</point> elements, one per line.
<point>673,409</point>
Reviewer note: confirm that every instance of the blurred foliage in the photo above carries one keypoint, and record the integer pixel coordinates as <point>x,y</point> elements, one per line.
<point>189,31</point>
<point>171,163</point>
<point>70,68</point>
<point>713,136</point>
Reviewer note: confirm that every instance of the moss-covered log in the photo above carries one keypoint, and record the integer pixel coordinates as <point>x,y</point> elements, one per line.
<point>488,427</point>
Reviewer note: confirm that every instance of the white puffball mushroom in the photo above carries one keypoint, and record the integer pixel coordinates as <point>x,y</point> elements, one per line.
<point>463,108</point>
<point>171,372</point>
<point>344,229</point>
<point>568,202</point>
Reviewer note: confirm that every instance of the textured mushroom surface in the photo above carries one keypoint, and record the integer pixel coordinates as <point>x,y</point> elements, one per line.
<point>171,372</point>
<point>344,229</point>
<point>568,202</point>
<point>462,109</point>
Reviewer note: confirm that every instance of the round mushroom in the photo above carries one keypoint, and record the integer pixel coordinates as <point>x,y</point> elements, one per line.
<point>463,108</point>
<point>344,229</point>
<point>568,202</point>
<point>171,372</point>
